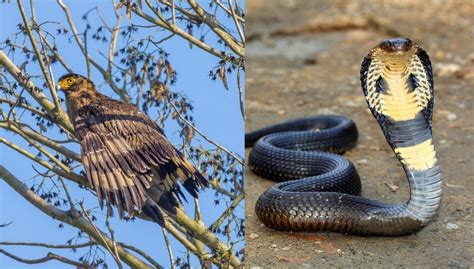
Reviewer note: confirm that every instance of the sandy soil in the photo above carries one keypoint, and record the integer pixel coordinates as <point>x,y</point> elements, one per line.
<point>303,59</point>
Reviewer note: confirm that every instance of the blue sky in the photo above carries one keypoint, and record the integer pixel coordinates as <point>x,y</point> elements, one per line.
<point>216,113</point>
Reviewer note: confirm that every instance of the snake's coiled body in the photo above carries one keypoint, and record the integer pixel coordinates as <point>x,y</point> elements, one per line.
<point>320,191</point>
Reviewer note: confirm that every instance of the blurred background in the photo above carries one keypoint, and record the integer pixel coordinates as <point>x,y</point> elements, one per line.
<point>303,58</point>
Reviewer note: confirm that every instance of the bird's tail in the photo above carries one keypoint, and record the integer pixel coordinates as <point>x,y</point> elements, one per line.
<point>165,192</point>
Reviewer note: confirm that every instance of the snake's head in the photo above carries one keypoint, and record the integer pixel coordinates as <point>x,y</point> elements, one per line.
<point>395,50</point>
<point>396,45</point>
<point>397,81</point>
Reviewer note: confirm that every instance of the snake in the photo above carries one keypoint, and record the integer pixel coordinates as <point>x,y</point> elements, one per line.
<point>319,190</point>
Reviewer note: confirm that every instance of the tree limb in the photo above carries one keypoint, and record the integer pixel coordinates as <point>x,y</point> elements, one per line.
<point>50,256</point>
<point>58,115</point>
<point>71,218</point>
<point>176,30</point>
<point>233,44</point>
<point>229,210</point>
<point>46,75</point>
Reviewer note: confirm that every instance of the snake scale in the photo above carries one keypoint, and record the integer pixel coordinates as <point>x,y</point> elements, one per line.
<point>320,191</point>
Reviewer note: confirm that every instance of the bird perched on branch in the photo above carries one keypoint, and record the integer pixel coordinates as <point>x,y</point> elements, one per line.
<point>127,158</point>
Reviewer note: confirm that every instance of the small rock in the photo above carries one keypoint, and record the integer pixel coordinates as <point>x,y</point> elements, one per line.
<point>448,114</point>
<point>310,61</point>
<point>452,226</point>
<point>285,248</point>
<point>374,148</point>
<point>254,236</point>
<point>392,187</point>
<point>281,112</point>
<point>447,69</point>
<point>362,161</point>
<point>274,245</point>
<point>350,104</point>
<point>339,250</point>
<point>451,116</point>
<point>301,103</point>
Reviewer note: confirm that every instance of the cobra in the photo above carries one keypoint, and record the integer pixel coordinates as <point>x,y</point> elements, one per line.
<point>320,191</point>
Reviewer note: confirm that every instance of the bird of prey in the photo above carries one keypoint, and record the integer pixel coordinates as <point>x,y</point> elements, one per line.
<point>127,158</point>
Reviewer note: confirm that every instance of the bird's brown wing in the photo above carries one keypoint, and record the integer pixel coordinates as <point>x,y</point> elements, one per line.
<point>128,160</point>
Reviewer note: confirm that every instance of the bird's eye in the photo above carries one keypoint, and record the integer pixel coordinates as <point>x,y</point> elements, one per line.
<point>70,80</point>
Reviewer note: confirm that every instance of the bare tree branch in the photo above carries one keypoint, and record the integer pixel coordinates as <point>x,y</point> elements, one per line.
<point>58,115</point>
<point>236,21</point>
<point>176,30</point>
<point>228,211</point>
<point>235,156</point>
<point>69,217</point>
<point>168,246</point>
<point>107,76</point>
<point>50,256</point>
<point>102,238</point>
<point>46,75</point>
<point>234,45</point>
<point>45,245</point>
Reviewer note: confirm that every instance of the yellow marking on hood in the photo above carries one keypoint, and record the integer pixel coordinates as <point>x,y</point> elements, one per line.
<point>398,103</point>
<point>418,157</point>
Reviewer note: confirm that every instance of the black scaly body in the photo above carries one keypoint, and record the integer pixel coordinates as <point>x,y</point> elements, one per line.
<point>320,191</point>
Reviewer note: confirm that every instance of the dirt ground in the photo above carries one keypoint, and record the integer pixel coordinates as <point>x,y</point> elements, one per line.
<point>303,58</point>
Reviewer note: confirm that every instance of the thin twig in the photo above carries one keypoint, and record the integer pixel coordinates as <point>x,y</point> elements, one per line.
<point>80,179</point>
<point>88,63</point>
<point>142,253</point>
<point>226,213</point>
<point>59,116</point>
<point>52,89</point>
<point>235,156</point>
<point>197,210</point>
<point>25,129</point>
<point>112,235</point>
<point>168,245</point>
<point>217,186</point>
<point>180,32</point>
<point>219,3</point>
<point>233,44</point>
<point>173,12</point>
<point>27,107</point>
<point>107,76</point>
<point>67,246</point>
<point>50,256</point>
<point>113,43</point>
<point>116,258</point>
<point>55,52</point>
<point>241,94</point>
<point>71,204</point>
<point>237,24</point>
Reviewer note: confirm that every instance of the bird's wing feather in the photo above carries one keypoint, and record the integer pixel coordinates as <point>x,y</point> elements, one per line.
<point>128,159</point>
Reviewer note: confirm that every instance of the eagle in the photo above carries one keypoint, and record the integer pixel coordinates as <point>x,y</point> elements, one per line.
<point>126,156</point>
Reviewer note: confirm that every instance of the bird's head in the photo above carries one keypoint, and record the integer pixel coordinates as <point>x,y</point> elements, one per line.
<point>71,82</point>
